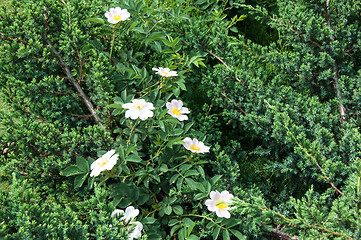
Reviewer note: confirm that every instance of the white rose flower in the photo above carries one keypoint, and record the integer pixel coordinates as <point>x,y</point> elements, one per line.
<point>106,162</point>
<point>219,203</point>
<point>129,216</point>
<point>114,15</point>
<point>165,72</point>
<point>195,145</point>
<point>138,108</point>
<point>177,110</point>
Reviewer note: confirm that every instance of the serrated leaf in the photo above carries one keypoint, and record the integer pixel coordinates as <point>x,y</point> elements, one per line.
<point>71,171</point>
<point>172,222</point>
<point>148,220</point>
<point>96,20</point>
<point>173,178</point>
<point>215,179</point>
<point>191,183</point>
<point>237,234</point>
<point>114,106</point>
<point>121,152</point>
<point>79,180</point>
<point>216,232</point>
<point>225,235</point>
<point>82,164</point>
<point>191,172</point>
<point>133,158</point>
<point>168,210</point>
<point>177,209</point>
<point>199,196</point>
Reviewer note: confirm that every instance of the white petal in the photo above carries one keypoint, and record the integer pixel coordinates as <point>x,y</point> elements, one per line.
<point>137,232</point>
<point>108,154</point>
<point>215,195</point>
<point>130,213</point>
<point>226,196</point>
<point>223,213</point>
<point>145,114</point>
<point>182,117</point>
<point>211,205</point>
<point>184,110</point>
<point>117,213</point>
<point>95,172</point>
<point>127,105</point>
<point>169,105</point>
<point>148,106</point>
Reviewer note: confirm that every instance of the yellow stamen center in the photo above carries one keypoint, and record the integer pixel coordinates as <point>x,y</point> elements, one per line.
<point>195,147</point>
<point>117,17</point>
<point>165,73</point>
<point>102,161</point>
<point>221,205</point>
<point>176,111</point>
<point>138,105</point>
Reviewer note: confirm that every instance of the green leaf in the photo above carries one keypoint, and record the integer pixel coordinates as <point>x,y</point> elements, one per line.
<point>176,132</point>
<point>215,179</point>
<point>173,178</point>
<point>163,168</point>
<point>96,20</point>
<point>168,210</point>
<point>191,172</point>
<point>133,158</point>
<point>188,126</point>
<point>114,106</point>
<point>177,209</point>
<point>216,232</point>
<point>237,234</point>
<point>79,180</point>
<point>192,237</point>
<point>191,183</point>
<point>200,196</point>
<point>225,235</point>
<point>121,152</point>
<point>174,229</point>
<point>71,171</point>
<point>233,222</point>
<point>148,220</point>
<point>172,222</point>
<point>82,164</point>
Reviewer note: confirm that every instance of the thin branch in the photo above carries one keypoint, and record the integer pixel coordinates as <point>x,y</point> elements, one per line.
<point>68,74</point>
<point>336,76</point>
<point>231,101</point>
<point>223,62</point>
<point>77,86</point>
<point>3,37</point>
<point>84,116</point>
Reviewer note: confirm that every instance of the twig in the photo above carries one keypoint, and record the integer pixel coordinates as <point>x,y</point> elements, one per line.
<point>231,101</point>
<point>336,76</point>
<point>13,39</point>
<point>77,115</point>
<point>223,62</point>
<point>68,74</point>
<point>77,86</point>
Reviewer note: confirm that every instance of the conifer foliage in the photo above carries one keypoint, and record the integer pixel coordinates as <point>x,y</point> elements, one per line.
<point>139,119</point>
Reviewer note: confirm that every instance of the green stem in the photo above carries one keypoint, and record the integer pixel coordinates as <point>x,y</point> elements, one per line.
<point>112,43</point>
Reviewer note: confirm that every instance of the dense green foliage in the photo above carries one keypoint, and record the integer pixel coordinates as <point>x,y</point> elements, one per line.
<point>272,86</point>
